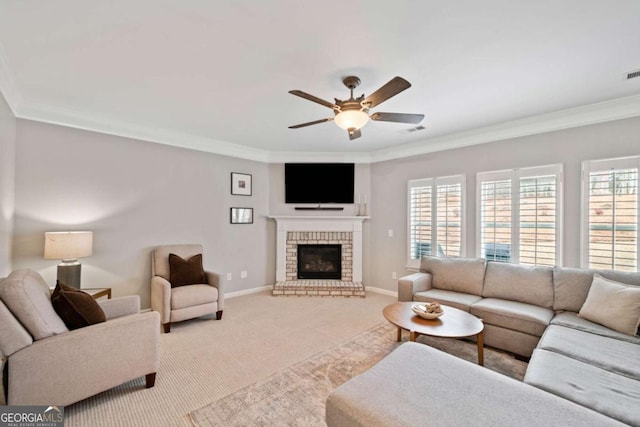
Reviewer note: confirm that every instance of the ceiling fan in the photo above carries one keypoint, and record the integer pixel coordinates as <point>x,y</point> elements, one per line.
<point>352,114</point>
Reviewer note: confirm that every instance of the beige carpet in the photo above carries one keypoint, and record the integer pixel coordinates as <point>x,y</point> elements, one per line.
<point>203,360</point>
<point>295,396</point>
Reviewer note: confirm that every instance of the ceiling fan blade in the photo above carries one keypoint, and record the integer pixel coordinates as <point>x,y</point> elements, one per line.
<point>392,88</point>
<point>315,122</point>
<point>312,98</point>
<point>354,134</point>
<point>397,117</point>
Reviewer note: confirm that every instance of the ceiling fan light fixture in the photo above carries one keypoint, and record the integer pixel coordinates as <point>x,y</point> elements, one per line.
<point>351,119</point>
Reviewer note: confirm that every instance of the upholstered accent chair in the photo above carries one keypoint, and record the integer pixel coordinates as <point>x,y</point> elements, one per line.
<point>178,303</point>
<point>46,363</point>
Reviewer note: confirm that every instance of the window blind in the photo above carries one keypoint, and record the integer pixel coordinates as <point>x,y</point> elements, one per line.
<point>495,220</point>
<point>612,215</point>
<point>420,195</point>
<point>538,213</point>
<point>519,215</point>
<point>448,218</point>
<point>436,217</point>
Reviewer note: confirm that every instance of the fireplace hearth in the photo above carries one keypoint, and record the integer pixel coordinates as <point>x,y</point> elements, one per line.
<point>321,261</point>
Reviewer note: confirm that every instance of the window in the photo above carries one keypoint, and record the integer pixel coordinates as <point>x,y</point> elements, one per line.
<point>519,215</point>
<point>610,214</point>
<point>436,217</point>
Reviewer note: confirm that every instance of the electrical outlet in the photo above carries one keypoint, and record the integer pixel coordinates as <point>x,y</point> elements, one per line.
<point>394,275</point>
<point>229,276</point>
<point>243,274</point>
<point>390,232</point>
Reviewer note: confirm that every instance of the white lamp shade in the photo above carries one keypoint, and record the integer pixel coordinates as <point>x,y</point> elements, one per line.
<point>68,245</point>
<point>351,119</point>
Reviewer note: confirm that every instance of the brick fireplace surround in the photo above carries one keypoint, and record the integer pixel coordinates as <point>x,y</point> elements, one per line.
<point>296,230</point>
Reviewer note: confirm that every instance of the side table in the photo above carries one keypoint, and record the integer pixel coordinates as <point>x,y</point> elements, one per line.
<point>97,293</point>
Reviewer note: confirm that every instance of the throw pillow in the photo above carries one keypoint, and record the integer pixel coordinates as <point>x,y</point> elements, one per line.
<point>77,309</point>
<point>186,271</point>
<point>613,304</point>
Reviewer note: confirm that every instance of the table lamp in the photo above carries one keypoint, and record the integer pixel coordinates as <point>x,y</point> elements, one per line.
<point>68,246</point>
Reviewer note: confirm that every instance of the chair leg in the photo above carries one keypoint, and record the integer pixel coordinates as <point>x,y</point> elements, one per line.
<point>166,327</point>
<point>219,315</point>
<point>151,380</point>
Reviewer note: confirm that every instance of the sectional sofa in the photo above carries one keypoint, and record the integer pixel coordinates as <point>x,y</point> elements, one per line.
<point>530,311</point>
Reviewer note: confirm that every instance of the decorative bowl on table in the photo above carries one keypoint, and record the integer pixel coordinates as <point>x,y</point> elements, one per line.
<point>428,310</point>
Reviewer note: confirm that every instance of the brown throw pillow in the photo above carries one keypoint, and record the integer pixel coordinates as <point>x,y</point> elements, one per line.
<point>77,309</point>
<point>186,272</point>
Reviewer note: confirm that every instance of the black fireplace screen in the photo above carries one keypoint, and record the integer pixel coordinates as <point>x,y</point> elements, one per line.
<point>320,262</point>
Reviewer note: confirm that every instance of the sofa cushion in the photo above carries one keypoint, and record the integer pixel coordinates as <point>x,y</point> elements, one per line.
<point>454,299</point>
<point>609,354</point>
<point>613,304</point>
<point>455,274</point>
<point>417,385</point>
<point>186,271</point>
<point>571,285</point>
<point>189,296</point>
<point>77,309</point>
<point>571,320</point>
<point>514,315</point>
<point>608,393</point>
<point>14,336</point>
<point>531,285</point>
<point>28,297</point>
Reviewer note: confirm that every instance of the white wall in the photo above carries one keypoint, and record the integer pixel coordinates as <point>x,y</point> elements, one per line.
<point>135,195</point>
<point>569,147</point>
<point>7,175</point>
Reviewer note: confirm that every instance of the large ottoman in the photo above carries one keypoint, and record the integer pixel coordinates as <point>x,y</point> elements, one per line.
<point>417,385</point>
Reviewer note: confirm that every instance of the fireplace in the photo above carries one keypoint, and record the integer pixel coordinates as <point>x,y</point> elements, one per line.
<point>319,262</point>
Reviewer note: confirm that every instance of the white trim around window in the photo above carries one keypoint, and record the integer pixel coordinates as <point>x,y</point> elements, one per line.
<point>436,218</point>
<point>610,217</point>
<point>519,215</point>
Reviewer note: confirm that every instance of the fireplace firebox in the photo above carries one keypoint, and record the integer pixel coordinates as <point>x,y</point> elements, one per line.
<point>320,262</point>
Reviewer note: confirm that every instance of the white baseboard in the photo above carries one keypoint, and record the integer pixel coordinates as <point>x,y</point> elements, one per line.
<point>248,291</point>
<point>381,291</point>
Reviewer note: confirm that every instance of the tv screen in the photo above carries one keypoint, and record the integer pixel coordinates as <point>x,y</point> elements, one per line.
<point>318,182</point>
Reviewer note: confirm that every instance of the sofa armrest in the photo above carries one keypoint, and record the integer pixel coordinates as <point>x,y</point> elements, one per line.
<point>72,366</point>
<point>214,280</point>
<point>121,306</point>
<point>409,285</point>
<point>161,298</point>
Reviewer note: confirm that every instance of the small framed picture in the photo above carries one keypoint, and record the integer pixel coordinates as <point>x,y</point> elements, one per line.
<point>240,184</point>
<point>241,215</point>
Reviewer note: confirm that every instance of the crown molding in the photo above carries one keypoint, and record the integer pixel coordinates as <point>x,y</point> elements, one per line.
<point>76,120</point>
<point>616,109</point>
<point>327,157</point>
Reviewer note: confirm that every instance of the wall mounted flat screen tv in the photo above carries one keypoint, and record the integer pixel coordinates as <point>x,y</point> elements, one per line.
<point>318,182</point>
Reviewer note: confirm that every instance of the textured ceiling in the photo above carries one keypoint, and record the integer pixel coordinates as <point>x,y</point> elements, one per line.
<point>214,75</point>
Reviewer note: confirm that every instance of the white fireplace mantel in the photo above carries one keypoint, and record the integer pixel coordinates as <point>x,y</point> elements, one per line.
<point>285,224</point>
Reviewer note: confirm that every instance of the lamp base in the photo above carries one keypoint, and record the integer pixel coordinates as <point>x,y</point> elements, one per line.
<point>69,274</point>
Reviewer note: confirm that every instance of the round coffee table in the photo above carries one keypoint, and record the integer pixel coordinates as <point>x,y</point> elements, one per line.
<point>453,323</point>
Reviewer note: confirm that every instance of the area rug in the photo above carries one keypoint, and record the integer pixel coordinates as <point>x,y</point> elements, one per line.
<point>296,395</point>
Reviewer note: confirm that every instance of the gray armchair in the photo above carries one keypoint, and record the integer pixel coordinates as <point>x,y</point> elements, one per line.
<point>183,302</point>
